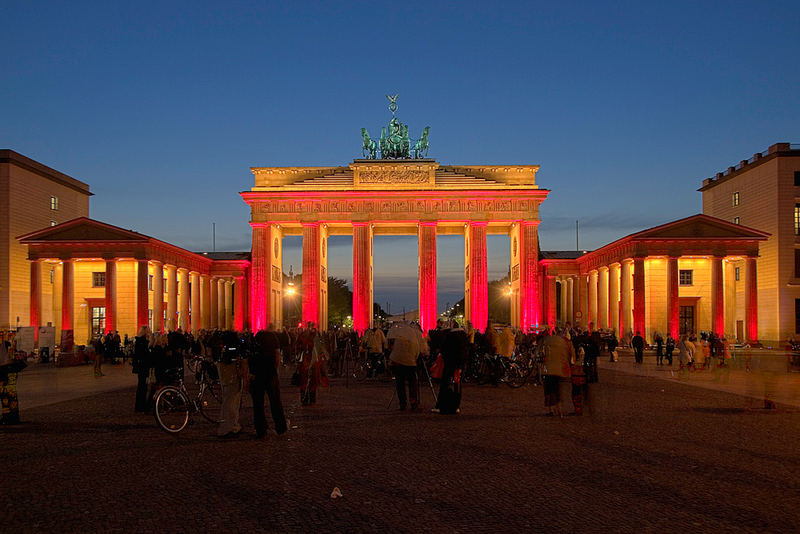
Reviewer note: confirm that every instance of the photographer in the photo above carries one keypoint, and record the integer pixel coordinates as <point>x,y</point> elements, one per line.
<point>227,349</point>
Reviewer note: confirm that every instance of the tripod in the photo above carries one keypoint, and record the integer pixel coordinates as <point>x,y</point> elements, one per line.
<point>420,364</point>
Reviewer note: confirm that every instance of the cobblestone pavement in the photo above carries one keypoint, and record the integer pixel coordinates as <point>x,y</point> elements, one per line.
<point>653,456</point>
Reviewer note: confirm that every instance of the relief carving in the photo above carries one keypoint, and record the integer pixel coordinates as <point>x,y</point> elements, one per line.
<point>395,176</point>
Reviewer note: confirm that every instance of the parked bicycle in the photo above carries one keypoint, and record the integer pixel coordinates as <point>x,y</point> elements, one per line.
<point>174,405</point>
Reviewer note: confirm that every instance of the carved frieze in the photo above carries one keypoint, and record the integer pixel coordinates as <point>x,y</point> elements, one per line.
<point>394,176</point>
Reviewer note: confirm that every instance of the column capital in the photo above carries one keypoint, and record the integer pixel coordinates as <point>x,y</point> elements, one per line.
<point>428,223</point>
<point>478,223</point>
<point>359,224</point>
<point>259,224</point>
<point>527,223</point>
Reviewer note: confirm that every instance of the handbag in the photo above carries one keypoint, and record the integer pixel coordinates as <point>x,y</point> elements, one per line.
<point>437,369</point>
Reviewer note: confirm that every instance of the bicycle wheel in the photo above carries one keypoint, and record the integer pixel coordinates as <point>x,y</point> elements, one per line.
<point>361,370</point>
<point>516,376</point>
<point>211,404</point>
<point>171,409</point>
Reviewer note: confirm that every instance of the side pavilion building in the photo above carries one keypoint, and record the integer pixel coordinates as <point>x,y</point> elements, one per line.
<point>694,274</point>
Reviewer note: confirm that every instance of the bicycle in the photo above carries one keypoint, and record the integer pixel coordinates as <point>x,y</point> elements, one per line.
<point>174,405</point>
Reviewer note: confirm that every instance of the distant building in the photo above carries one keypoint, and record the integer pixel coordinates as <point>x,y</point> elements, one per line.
<point>32,196</point>
<point>764,192</point>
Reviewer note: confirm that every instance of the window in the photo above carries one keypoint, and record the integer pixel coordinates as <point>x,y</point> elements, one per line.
<point>150,319</point>
<point>797,178</point>
<point>54,203</point>
<point>685,277</point>
<point>737,272</point>
<point>53,223</point>
<point>797,316</point>
<point>52,276</point>
<point>150,282</point>
<point>99,279</point>
<point>164,284</point>
<point>736,198</point>
<point>98,320</point>
<point>736,220</point>
<point>797,263</point>
<point>797,219</point>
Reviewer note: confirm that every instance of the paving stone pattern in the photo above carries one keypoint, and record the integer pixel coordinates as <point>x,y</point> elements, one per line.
<point>652,456</point>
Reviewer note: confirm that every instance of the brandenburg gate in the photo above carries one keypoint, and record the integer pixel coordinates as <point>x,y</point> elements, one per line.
<point>402,196</point>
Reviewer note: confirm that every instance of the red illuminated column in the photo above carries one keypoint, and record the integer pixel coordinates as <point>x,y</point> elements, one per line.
<point>205,298</point>
<point>196,315</point>
<point>478,288</point>
<point>593,321</point>
<point>751,300</point>
<point>158,296</point>
<point>583,306</point>
<point>638,296</point>
<point>213,303</point>
<point>717,296</point>
<point>362,258</point>
<point>141,294</point>
<point>111,295</point>
<point>36,297</point>
<point>575,289</point>
<point>427,275</point>
<point>625,297</point>
<point>550,288</point>
<point>172,298</point>
<point>238,302</point>
<point>673,304</point>
<point>259,277</point>
<point>311,273</point>
<point>227,307</point>
<point>67,294</point>
<point>613,298</point>
<point>183,299</point>
<point>530,299</point>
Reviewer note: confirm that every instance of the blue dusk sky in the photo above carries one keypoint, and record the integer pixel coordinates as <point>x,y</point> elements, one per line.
<point>162,107</point>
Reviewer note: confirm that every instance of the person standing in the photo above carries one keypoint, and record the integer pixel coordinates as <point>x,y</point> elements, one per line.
<point>404,343</point>
<point>638,347</point>
<point>670,347</point>
<point>611,342</point>
<point>230,378</point>
<point>375,342</point>
<point>659,342</point>
<point>455,350</point>
<point>309,368</point>
<point>557,354</point>
<point>142,364</point>
<point>262,363</point>
<point>99,350</point>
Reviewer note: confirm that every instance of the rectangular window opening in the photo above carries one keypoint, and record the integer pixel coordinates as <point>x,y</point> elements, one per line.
<point>54,203</point>
<point>736,220</point>
<point>736,198</point>
<point>797,178</point>
<point>685,277</point>
<point>797,263</point>
<point>99,279</point>
<point>797,219</point>
<point>149,282</point>
<point>737,272</point>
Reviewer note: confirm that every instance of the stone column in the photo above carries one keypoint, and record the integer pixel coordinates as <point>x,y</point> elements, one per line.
<point>564,301</point>
<point>717,296</point>
<point>750,300</point>
<point>172,298</point>
<point>613,298</point>
<point>205,301</point>
<point>603,320</point>
<point>259,278</point>
<point>625,297</point>
<point>183,299</point>
<point>583,307</point>
<point>238,315</point>
<point>426,238</point>
<point>575,290</point>
<point>158,296</point>
<point>311,273</point>
<point>673,304</point>
<point>478,289</point>
<point>550,287</point>
<point>362,279</point>
<point>593,318</point>
<point>213,302</point>
<point>639,309</point>
<point>35,316</point>
<point>197,314</point>
<point>529,273</point>
<point>111,295</point>
<point>142,304</point>
<point>226,290</point>
<point>67,294</point>
<point>221,322</point>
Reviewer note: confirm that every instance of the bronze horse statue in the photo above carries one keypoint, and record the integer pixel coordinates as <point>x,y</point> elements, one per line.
<point>370,146</point>
<point>422,144</point>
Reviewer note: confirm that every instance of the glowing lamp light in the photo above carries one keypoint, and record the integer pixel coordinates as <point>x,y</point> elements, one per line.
<point>291,291</point>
